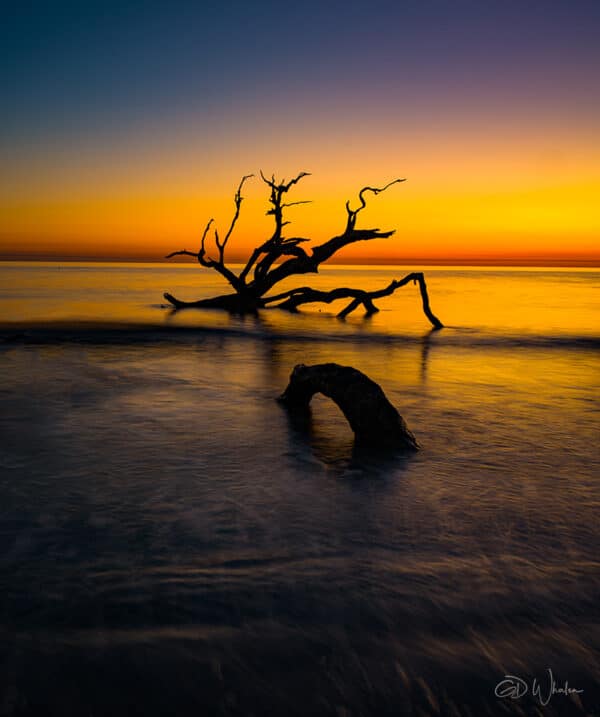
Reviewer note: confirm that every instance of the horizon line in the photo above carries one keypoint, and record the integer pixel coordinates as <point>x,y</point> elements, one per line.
<point>533,261</point>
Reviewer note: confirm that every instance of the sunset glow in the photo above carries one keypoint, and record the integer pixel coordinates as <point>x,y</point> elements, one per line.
<point>115,150</point>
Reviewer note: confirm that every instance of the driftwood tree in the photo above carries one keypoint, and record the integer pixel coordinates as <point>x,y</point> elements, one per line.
<point>375,422</point>
<point>281,257</point>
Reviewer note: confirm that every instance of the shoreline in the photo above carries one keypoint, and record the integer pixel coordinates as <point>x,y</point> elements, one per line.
<point>62,331</point>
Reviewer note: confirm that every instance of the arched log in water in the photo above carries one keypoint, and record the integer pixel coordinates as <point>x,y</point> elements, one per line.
<point>371,416</point>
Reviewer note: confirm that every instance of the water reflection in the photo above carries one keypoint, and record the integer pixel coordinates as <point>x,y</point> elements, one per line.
<point>549,301</point>
<point>174,539</point>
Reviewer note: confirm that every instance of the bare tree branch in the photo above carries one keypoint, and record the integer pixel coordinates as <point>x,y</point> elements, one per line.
<point>182,252</point>
<point>251,261</point>
<point>353,213</point>
<point>283,186</point>
<point>293,204</point>
<point>322,252</point>
<point>276,199</point>
<point>238,199</point>
<point>202,252</point>
<point>292,299</point>
<point>271,247</point>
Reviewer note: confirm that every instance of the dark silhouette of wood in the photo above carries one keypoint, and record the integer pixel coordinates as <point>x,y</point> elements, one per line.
<point>279,258</point>
<point>375,422</point>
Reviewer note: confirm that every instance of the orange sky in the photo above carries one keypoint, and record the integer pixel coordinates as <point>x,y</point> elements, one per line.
<point>468,198</point>
<point>108,160</point>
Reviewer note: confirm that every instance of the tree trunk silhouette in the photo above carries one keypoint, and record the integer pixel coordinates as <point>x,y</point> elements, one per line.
<point>371,416</point>
<point>279,258</point>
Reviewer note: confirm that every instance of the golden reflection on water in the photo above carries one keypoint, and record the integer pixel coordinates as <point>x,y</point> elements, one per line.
<point>555,301</point>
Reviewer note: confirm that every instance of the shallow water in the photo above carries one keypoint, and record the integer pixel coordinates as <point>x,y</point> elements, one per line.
<point>175,543</point>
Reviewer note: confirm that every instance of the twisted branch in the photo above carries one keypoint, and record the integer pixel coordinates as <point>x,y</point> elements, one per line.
<point>304,264</point>
<point>238,199</point>
<point>353,213</point>
<point>292,299</point>
<point>201,255</point>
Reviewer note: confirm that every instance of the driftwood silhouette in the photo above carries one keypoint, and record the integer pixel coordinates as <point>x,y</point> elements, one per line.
<point>280,257</point>
<point>371,416</point>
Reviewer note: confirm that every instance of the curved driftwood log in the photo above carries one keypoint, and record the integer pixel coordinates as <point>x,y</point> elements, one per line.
<point>371,416</point>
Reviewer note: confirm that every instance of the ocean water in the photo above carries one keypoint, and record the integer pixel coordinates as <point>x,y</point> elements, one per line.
<point>172,541</point>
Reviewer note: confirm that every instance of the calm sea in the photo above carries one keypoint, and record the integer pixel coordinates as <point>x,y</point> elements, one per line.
<point>172,543</point>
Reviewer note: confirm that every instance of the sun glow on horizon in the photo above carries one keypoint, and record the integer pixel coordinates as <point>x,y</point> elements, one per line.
<point>440,222</point>
<point>114,159</point>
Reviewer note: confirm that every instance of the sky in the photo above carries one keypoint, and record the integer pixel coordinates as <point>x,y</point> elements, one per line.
<point>126,126</point>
